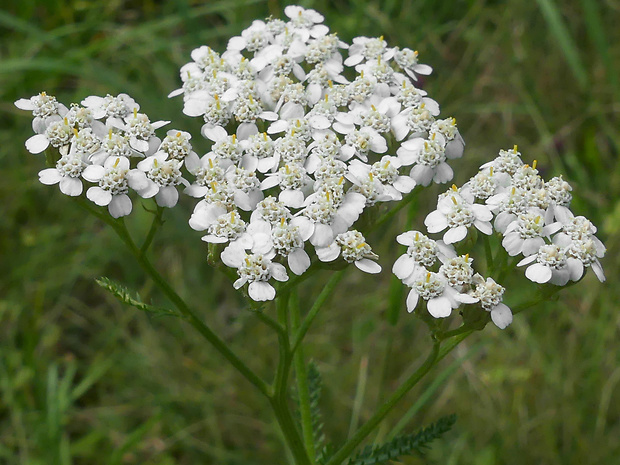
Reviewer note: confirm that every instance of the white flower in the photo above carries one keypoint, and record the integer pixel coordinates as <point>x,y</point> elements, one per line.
<point>508,161</point>
<point>368,48</point>
<point>422,253</point>
<point>429,157</point>
<point>354,249</point>
<point>58,134</point>
<point>255,269</point>
<point>66,174</point>
<point>114,179</point>
<point>526,234</point>
<point>323,219</point>
<point>163,176</point>
<point>281,238</point>
<point>292,180</point>
<point>551,266</point>
<point>113,108</point>
<point>209,172</point>
<point>582,251</point>
<point>176,144</point>
<point>490,296</point>
<point>408,60</point>
<point>43,107</point>
<point>440,297</point>
<point>457,213</point>
<point>458,272</point>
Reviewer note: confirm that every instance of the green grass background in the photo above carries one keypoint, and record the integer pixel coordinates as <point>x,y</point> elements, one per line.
<point>84,380</point>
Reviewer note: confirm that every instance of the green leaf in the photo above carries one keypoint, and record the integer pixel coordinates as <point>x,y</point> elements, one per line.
<point>315,385</point>
<point>122,294</point>
<point>403,445</point>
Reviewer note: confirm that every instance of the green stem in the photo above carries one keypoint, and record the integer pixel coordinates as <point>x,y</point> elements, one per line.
<point>455,332</point>
<point>402,204</point>
<point>542,297</point>
<point>278,399</point>
<point>318,303</point>
<point>157,222</point>
<point>346,450</point>
<point>121,230</point>
<point>301,374</point>
<point>489,254</point>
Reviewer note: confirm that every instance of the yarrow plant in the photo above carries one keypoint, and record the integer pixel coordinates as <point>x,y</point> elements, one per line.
<point>307,136</point>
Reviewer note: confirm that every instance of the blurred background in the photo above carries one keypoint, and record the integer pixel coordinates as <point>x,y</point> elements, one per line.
<point>85,380</point>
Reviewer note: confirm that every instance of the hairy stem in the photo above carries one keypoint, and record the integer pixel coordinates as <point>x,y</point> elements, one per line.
<point>278,399</point>
<point>301,375</point>
<point>318,303</point>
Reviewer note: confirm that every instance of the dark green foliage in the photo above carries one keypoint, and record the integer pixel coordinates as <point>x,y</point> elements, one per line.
<point>403,445</point>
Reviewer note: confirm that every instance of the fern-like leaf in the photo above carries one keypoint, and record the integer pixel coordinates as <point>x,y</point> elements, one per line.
<point>123,295</point>
<point>403,445</point>
<point>315,385</point>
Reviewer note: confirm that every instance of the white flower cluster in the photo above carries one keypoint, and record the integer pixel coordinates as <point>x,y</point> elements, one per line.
<point>98,141</point>
<point>299,144</point>
<point>452,284</point>
<point>534,220</point>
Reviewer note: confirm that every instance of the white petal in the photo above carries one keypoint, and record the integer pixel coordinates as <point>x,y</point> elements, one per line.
<point>538,273</point>
<point>37,143</point>
<point>120,206</point>
<point>435,222</point>
<point>49,176</point>
<point>403,266</point>
<point>484,227</point>
<point>278,272</point>
<point>501,315</point>
<point>71,186</point>
<point>298,261</point>
<point>261,291</point>
<point>329,253</point>
<point>24,104</point>
<point>412,300</point>
<point>439,307</point>
<point>323,235</point>
<point>598,271</point>
<point>368,266</point>
<point>453,235</point>
<point>168,196</point>
<point>292,198</point>
<point>576,268</point>
<point>93,173</point>
<point>97,195</point>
